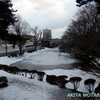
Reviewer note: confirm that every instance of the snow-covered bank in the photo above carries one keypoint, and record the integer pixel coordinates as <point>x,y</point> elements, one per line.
<point>75,72</point>
<point>41,57</point>
<point>22,88</point>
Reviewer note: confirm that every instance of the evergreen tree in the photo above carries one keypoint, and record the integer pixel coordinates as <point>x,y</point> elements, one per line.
<point>7,17</point>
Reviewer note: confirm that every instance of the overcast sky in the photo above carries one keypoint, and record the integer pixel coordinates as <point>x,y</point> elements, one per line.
<point>47,14</point>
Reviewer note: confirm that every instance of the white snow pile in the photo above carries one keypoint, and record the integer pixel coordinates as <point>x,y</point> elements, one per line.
<point>22,88</point>
<point>45,56</point>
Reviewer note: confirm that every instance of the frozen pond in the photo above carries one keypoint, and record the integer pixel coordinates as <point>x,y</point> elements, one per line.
<point>46,59</point>
<point>54,63</point>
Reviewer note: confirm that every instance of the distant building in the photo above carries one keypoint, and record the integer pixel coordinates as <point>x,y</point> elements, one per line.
<point>47,35</point>
<point>55,42</point>
<point>46,38</point>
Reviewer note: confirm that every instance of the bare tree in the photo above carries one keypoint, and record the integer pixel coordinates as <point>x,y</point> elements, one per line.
<point>21,28</point>
<point>83,36</point>
<point>37,36</point>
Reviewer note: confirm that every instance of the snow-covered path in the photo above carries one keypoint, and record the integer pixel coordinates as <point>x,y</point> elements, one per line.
<point>22,88</point>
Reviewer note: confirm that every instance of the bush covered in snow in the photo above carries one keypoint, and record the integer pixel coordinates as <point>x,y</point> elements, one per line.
<point>4,67</point>
<point>75,81</point>
<point>89,84</point>
<point>51,79</point>
<point>61,81</point>
<point>3,81</point>
<point>97,89</point>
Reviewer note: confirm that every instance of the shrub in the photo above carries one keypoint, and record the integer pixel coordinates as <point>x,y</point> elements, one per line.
<point>24,72</point>
<point>33,74</point>
<point>41,75</point>
<point>3,82</point>
<point>51,79</point>
<point>75,81</point>
<point>89,84</point>
<point>13,70</point>
<point>97,89</point>
<point>61,81</point>
<point>4,67</point>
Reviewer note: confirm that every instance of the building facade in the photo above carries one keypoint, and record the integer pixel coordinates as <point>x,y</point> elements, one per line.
<point>46,38</point>
<point>47,34</point>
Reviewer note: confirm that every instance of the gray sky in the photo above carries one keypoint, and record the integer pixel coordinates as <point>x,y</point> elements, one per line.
<point>47,14</point>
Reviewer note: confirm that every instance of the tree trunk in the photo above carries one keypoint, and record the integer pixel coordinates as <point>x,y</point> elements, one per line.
<point>35,44</point>
<point>6,48</point>
<point>20,49</point>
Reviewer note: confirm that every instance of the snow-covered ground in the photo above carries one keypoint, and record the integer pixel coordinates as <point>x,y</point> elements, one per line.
<point>42,90</point>
<point>22,88</point>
